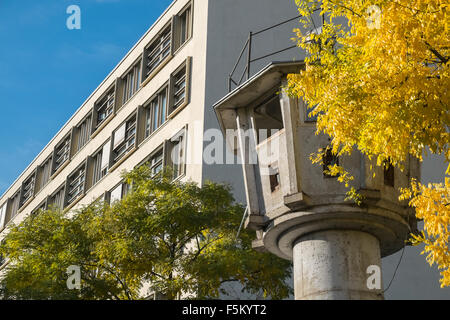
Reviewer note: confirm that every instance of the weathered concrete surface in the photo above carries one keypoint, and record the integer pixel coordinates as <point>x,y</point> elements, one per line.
<point>333,265</point>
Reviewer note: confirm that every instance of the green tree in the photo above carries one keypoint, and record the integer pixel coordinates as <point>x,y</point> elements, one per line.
<point>40,250</point>
<point>177,238</point>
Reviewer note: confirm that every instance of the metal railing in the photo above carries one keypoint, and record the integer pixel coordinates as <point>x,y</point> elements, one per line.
<point>248,49</point>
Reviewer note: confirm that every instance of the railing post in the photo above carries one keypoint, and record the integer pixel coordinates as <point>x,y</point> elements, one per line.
<point>249,55</point>
<point>229,83</point>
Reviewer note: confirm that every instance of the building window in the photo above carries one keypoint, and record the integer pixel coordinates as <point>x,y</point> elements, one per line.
<point>183,27</point>
<point>388,170</point>
<point>156,162</point>
<point>124,139</point>
<point>75,184</point>
<point>155,112</point>
<point>131,82</point>
<point>158,50</point>
<point>40,208</point>
<point>82,133</point>
<point>329,159</point>
<point>176,154</point>
<point>2,260</point>
<point>57,199</point>
<point>62,153</point>
<point>101,163</point>
<point>13,206</point>
<point>3,215</point>
<point>179,86</point>
<point>105,107</point>
<point>44,173</point>
<point>28,189</point>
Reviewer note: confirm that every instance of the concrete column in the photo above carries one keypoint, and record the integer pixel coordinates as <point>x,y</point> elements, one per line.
<point>332,264</point>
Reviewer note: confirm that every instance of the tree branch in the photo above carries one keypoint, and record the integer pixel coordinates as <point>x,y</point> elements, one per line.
<point>346,8</point>
<point>124,287</point>
<point>436,53</point>
<point>204,247</point>
<point>157,274</point>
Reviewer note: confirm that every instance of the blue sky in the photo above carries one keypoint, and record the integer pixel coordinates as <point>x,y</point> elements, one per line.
<point>47,71</point>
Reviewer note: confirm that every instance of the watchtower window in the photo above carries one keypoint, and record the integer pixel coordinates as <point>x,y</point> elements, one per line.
<point>388,169</point>
<point>329,159</point>
<point>309,117</point>
<point>268,117</point>
<point>274,178</point>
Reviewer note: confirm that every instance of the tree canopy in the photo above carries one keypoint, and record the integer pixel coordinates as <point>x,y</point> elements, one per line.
<point>170,237</point>
<point>380,83</point>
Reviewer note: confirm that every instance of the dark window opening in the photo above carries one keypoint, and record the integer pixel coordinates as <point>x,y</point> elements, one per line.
<point>274,178</point>
<point>268,118</point>
<point>388,169</point>
<point>329,159</point>
<point>309,117</point>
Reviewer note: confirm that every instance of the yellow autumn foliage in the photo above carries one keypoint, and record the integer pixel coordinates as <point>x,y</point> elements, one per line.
<point>380,81</point>
<point>432,204</point>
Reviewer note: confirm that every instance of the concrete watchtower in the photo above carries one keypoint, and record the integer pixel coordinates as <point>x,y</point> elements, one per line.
<point>300,213</point>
